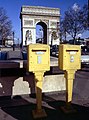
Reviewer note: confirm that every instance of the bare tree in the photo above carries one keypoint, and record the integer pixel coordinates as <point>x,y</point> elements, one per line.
<point>63,30</point>
<point>5,25</point>
<point>73,21</point>
<point>85,18</point>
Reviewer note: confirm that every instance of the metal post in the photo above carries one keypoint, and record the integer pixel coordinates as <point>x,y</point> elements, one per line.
<point>88,13</point>
<point>39,112</point>
<point>13,41</point>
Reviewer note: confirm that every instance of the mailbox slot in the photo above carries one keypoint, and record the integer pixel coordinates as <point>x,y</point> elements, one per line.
<point>71,50</point>
<point>38,50</point>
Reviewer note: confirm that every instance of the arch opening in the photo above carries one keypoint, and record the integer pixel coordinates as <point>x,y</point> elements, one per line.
<point>41,33</point>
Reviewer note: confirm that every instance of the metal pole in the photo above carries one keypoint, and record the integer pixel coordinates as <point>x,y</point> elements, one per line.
<point>88,13</point>
<point>13,42</point>
<point>18,41</point>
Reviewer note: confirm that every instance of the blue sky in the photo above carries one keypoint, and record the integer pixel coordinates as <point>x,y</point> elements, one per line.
<point>13,8</point>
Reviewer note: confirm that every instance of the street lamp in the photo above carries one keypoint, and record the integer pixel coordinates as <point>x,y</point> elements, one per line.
<point>13,41</point>
<point>42,37</point>
<point>88,13</point>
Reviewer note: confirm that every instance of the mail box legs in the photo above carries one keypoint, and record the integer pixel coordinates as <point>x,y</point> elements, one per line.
<point>39,112</point>
<point>69,75</point>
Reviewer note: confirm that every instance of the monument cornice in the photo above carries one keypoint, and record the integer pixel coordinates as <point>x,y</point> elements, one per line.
<point>41,14</point>
<point>43,11</point>
<point>40,7</point>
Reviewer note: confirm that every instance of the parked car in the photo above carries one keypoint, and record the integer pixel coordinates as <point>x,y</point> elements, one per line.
<point>8,46</point>
<point>54,50</point>
<point>84,60</point>
<point>1,46</point>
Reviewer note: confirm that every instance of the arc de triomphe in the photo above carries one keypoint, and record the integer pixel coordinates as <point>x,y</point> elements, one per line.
<point>46,17</point>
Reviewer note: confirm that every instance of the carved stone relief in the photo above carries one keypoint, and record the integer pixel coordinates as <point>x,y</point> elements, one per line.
<point>28,22</point>
<point>53,24</point>
<point>28,36</point>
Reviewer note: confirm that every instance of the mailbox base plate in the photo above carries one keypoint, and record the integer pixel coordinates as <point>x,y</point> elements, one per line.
<point>68,110</point>
<point>37,114</point>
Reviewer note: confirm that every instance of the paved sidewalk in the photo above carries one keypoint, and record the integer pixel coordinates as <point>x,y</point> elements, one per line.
<point>20,107</point>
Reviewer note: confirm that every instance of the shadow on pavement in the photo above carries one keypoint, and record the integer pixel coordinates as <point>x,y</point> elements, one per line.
<point>22,110</point>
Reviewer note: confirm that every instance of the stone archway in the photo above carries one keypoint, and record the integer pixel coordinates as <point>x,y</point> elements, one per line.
<point>47,17</point>
<point>44,32</point>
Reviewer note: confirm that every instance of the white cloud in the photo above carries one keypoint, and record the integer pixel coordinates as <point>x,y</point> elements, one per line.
<point>75,7</point>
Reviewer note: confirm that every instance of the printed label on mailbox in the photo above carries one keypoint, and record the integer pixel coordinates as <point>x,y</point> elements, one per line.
<point>39,59</point>
<point>71,58</point>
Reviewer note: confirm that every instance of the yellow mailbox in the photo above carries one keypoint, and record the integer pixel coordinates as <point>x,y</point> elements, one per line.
<point>38,57</point>
<point>69,57</point>
<point>70,61</point>
<point>38,62</point>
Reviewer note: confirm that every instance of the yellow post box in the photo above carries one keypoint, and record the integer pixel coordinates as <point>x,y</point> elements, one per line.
<point>38,57</point>
<point>70,61</point>
<point>69,57</point>
<point>38,62</point>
